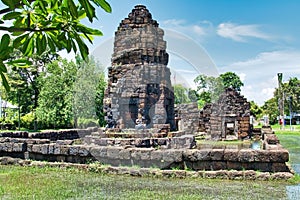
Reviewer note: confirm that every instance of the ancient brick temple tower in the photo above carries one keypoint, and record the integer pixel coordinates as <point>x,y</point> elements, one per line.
<point>139,92</point>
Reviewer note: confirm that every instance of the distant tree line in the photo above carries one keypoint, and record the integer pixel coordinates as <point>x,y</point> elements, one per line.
<point>56,93</point>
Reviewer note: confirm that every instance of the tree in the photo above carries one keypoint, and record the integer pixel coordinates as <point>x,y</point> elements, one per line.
<point>55,109</point>
<point>290,92</point>
<point>255,110</point>
<point>181,94</point>
<point>88,90</point>
<point>230,79</point>
<point>24,81</point>
<point>270,108</point>
<point>210,87</point>
<point>37,25</point>
<point>99,99</point>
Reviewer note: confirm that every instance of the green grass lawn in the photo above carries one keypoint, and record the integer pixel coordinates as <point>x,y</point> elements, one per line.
<point>54,183</point>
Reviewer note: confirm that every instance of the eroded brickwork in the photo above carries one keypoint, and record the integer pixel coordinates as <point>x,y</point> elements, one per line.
<point>139,89</point>
<point>228,118</point>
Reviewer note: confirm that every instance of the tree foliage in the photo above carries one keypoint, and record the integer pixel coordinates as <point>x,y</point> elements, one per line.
<point>210,87</point>
<point>270,108</point>
<point>89,92</point>
<point>33,26</point>
<point>290,92</point>
<point>180,94</point>
<point>56,95</point>
<point>255,110</point>
<point>24,81</point>
<point>231,80</point>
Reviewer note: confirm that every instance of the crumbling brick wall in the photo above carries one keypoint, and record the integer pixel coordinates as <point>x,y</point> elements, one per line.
<point>228,118</point>
<point>187,117</point>
<point>139,87</point>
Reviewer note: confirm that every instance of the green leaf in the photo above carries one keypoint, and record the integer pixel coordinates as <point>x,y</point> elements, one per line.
<point>2,67</point>
<point>11,15</point>
<point>28,47</point>
<point>74,46</point>
<point>84,51</point>
<point>5,82</point>
<point>17,33</point>
<point>44,43</point>
<point>69,45</point>
<point>73,9</point>
<point>88,30</point>
<point>51,44</point>
<point>104,5</point>
<point>4,42</point>
<point>38,44</point>
<point>89,9</point>
<point>26,3</point>
<point>19,62</point>
<point>9,3</point>
<point>20,40</point>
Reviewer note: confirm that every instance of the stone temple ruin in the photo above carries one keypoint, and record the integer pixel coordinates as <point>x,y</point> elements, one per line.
<point>139,87</point>
<point>228,118</point>
<point>142,120</point>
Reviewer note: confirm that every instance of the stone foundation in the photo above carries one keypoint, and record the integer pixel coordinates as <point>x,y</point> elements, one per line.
<point>163,153</point>
<point>153,172</point>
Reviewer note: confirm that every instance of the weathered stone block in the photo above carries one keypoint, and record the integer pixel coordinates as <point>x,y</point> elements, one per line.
<point>113,152</point>
<point>125,154</point>
<point>44,149</point>
<point>246,155</point>
<point>172,156</point>
<point>217,154</point>
<point>74,150</point>
<point>36,148</point>
<point>83,151</point>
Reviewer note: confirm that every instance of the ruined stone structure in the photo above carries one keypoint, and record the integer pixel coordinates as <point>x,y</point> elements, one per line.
<point>65,146</point>
<point>187,117</point>
<point>139,91</point>
<point>228,118</point>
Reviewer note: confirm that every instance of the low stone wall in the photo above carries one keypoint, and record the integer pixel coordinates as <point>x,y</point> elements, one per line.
<point>194,159</point>
<point>54,135</point>
<point>249,159</point>
<point>154,172</point>
<point>163,153</point>
<point>185,141</point>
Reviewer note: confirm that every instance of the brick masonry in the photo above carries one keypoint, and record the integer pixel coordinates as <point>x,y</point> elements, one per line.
<point>228,118</point>
<point>139,91</point>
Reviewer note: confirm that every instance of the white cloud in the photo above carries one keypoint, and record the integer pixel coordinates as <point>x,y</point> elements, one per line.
<point>260,77</point>
<point>242,76</point>
<point>199,29</point>
<point>174,22</point>
<point>239,33</point>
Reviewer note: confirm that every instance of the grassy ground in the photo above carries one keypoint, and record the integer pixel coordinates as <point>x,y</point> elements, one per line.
<point>291,141</point>
<point>53,183</point>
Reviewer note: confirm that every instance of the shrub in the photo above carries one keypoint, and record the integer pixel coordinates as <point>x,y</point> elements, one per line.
<point>27,121</point>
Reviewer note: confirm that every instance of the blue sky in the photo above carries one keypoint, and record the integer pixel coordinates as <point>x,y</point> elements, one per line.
<point>255,39</point>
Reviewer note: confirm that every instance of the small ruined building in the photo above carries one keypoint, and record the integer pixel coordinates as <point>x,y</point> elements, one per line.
<point>228,118</point>
<point>139,92</point>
